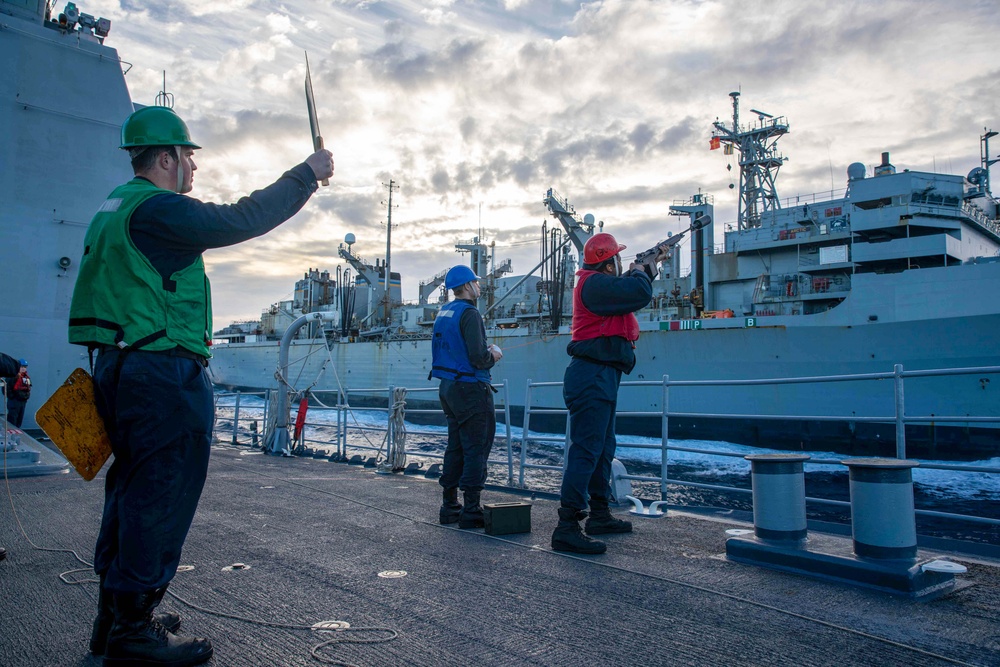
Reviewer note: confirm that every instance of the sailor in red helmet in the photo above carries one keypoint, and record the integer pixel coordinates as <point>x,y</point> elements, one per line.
<point>602,348</point>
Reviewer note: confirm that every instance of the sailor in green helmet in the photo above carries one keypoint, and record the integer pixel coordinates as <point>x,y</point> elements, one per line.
<point>143,302</point>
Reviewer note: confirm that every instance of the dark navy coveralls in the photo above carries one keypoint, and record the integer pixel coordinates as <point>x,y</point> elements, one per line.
<point>159,410</point>
<point>590,387</point>
<point>469,410</point>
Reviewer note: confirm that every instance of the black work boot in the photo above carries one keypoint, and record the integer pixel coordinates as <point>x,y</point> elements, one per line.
<point>106,618</point>
<point>601,522</point>
<point>450,507</point>
<point>472,513</point>
<point>137,639</point>
<point>3,553</point>
<point>568,537</point>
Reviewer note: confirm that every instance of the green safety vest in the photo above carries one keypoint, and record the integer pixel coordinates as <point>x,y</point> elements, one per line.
<point>120,298</point>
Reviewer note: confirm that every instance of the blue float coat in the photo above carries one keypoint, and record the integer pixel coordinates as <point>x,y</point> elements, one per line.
<point>459,344</point>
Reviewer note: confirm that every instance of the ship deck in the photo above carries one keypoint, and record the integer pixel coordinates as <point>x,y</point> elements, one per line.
<point>316,535</point>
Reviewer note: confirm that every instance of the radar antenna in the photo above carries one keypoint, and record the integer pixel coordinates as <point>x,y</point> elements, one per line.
<point>759,161</point>
<point>163,98</point>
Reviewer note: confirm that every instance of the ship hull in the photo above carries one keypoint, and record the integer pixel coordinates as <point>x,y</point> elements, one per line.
<point>785,416</point>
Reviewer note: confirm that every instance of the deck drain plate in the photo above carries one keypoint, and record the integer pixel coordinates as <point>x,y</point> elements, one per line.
<point>392,574</point>
<point>327,626</point>
<point>738,532</point>
<point>944,566</point>
<point>236,567</point>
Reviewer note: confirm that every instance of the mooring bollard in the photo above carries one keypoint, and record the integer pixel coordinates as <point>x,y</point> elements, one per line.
<point>883,522</point>
<point>779,496</point>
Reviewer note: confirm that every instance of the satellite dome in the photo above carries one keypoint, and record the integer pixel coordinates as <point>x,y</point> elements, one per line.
<point>588,219</point>
<point>349,239</point>
<point>977,176</point>
<point>855,171</point>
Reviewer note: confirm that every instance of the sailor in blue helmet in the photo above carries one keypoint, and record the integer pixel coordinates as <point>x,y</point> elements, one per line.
<point>142,301</point>
<point>462,360</point>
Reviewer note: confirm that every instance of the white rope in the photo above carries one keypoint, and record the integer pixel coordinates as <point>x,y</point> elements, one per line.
<point>272,414</point>
<point>396,452</point>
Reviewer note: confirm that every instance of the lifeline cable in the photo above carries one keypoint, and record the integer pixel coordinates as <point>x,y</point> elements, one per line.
<point>280,376</point>
<point>343,392</point>
<point>668,580</point>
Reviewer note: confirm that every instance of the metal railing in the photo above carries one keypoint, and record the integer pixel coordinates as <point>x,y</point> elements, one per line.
<point>345,409</point>
<point>523,465</point>
<point>253,433</point>
<point>899,419</point>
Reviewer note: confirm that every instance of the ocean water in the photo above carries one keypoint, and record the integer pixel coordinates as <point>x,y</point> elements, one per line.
<point>960,492</point>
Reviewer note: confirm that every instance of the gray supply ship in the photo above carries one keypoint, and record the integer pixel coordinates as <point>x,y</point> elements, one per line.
<point>899,268</point>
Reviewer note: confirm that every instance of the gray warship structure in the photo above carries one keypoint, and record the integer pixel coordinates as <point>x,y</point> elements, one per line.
<point>896,269</point>
<point>63,98</point>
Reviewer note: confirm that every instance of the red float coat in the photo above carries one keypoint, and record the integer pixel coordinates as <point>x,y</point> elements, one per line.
<point>587,325</point>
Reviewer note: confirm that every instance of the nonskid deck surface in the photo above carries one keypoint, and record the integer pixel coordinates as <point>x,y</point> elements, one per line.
<point>316,536</point>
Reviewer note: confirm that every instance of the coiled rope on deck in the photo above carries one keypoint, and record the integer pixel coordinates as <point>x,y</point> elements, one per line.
<point>395,454</point>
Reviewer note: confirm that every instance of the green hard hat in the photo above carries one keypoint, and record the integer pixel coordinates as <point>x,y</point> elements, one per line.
<point>155,126</point>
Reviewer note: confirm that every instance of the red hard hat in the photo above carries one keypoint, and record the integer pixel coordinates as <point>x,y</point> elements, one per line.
<point>600,248</point>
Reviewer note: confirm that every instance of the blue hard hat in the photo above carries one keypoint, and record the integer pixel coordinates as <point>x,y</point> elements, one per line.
<point>458,276</point>
<point>23,362</point>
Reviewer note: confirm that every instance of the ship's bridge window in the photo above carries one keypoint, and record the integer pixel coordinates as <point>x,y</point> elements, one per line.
<point>874,203</point>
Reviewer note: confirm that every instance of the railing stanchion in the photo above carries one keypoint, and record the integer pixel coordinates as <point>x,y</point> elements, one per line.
<point>267,406</point>
<point>388,421</point>
<point>506,421</point>
<point>342,402</point>
<point>340,428</point>
<point>524,432</point>
<point>664,456</point>
<point>897,372</point>
<point>236,417</point>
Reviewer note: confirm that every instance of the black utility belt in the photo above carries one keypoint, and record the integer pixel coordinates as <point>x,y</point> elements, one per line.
<point>173,352</point>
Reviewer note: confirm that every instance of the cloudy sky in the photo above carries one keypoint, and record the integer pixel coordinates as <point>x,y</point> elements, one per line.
<point>476,108</point>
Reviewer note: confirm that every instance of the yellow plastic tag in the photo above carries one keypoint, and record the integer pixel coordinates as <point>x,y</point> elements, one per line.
<point>71,421</point>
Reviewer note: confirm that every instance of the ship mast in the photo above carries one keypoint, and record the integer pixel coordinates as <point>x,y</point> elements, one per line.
<point>759,161</point>
<point>984,141</point>
<point>388,255</point>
